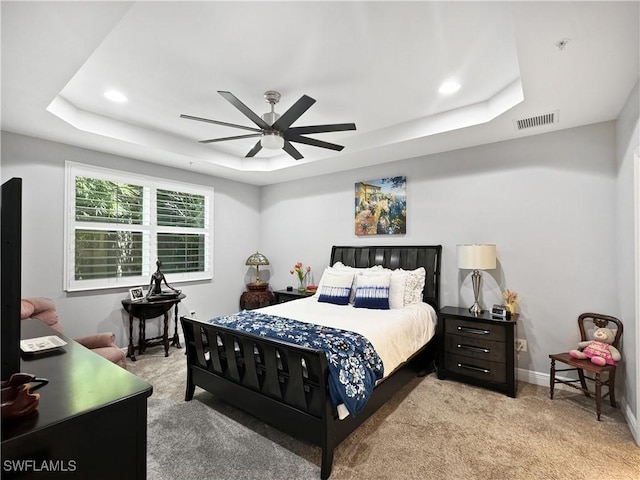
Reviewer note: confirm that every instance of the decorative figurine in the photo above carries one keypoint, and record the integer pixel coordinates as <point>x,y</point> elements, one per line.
<point>155,285</point>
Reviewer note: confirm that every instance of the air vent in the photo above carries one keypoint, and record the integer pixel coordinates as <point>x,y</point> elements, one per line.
<point>537,121</point>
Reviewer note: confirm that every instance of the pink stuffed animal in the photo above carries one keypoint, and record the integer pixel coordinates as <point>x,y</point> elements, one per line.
<point>599,350</point>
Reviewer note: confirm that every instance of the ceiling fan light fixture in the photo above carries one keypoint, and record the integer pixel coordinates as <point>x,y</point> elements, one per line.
<point>116,96</point>
<point>449,87</point>
<point>272,140</point>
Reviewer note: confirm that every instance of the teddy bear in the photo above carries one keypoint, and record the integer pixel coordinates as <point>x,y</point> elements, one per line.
<point>599,350</point>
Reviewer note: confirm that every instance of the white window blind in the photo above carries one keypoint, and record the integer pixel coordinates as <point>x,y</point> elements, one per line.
<point>118,224</point>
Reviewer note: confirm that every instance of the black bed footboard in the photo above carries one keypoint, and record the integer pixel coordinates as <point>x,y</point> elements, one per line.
<point>285,372</point>
<point>282,384</point>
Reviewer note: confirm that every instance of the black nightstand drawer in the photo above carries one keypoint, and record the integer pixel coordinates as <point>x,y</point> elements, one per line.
<point>481,369</point>
<point>475,348</point>
<point>474,329</point>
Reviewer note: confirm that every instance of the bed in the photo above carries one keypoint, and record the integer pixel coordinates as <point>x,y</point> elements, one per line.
<point>287,385</point>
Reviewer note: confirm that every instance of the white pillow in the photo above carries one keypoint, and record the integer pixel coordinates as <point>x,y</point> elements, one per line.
<point>397,287</point>
<point>414,285</point>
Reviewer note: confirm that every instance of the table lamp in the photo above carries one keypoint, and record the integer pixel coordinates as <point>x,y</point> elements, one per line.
<point>256,260</point>
<point>476,257</point>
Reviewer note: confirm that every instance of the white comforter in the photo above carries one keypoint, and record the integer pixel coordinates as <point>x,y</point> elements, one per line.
<point>395,334</point>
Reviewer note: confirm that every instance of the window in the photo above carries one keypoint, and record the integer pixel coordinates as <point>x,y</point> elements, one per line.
<point>118,224</point>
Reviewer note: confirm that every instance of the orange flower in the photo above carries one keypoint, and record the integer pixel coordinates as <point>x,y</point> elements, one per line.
<point>302,273</point>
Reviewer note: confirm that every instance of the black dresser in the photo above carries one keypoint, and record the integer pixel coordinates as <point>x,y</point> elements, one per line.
<point>91,421</point>
<point>479,350</point>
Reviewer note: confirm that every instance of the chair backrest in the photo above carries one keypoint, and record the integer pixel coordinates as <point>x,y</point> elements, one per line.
<point>599,320</point>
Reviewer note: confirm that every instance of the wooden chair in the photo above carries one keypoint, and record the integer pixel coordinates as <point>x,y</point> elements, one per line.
<point>598,321</point>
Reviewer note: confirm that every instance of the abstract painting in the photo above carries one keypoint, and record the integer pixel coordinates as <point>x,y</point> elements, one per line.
<point>381,206</point>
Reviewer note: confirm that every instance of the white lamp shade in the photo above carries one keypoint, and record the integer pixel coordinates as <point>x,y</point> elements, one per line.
<point>476,257</point>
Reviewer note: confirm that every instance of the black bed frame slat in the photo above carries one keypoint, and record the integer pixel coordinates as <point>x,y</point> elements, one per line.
<point>294,386</point>
<point>271,385</point>
<point>214,354</point>
<point>230,355</point>
<point>250,378</point>
<point>268,379</point>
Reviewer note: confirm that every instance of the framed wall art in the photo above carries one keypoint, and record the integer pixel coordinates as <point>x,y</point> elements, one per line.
<point>381,206</point>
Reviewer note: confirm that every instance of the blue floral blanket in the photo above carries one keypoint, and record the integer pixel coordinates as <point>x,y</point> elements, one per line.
<point>354,365</point>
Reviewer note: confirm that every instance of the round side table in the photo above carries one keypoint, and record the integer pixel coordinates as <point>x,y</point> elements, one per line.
<point>257,295</point>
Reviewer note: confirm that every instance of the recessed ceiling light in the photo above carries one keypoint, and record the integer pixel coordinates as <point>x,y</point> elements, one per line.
<point>450,86</point>
<point>116,96</point>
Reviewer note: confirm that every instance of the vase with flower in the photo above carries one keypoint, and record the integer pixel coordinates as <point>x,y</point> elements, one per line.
<point>302,273</point>
<point>510,300</point>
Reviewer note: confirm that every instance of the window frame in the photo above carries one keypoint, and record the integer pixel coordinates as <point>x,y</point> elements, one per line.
<point>149,227</point>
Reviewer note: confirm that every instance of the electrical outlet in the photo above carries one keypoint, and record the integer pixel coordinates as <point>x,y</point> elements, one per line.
<point>521,345</point>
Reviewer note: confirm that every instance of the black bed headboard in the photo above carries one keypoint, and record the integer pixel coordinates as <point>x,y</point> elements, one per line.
<point>407,258</point>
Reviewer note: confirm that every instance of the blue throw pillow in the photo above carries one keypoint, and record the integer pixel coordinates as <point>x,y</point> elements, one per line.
<point>335,288</point>
<point>372,291</point>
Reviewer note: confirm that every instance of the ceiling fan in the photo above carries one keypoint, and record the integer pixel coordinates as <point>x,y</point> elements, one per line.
<point>275,130</point>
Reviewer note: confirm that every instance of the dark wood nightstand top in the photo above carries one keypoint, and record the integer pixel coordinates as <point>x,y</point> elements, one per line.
<point>285,295</point>
<point>486,316</point>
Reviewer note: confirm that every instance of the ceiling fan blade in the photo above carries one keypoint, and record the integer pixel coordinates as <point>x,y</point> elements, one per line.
<point>231,98</point>
<point>216,122</point>
<point>312,141</point>
<point>291,150</point>
<point>256,148</point>
<point>338,127</point>
<point>297,109</point>
<point>237,137</point>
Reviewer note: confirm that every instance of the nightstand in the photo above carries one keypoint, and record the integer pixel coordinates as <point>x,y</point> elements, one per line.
<point>283,296</point>
<point>479,350</point>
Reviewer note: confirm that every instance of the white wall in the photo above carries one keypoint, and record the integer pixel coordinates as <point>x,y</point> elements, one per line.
<point>628,141</point>
<point>548,202</point>
<point>40,163</point>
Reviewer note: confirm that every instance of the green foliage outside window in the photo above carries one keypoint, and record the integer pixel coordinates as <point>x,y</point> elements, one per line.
<point>110,253</point>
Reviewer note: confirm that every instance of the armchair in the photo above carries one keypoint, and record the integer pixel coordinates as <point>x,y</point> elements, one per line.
<point>101,343</point>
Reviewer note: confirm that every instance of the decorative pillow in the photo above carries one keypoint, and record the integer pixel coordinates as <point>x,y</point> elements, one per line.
<point>335,287</point>
<point>414,285</point>
<point>341,267</point>
<point>397,288</point>
<point>372,291</point>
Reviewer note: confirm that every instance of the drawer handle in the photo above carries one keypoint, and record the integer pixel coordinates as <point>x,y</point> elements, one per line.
<point>475,369</point>
<point>475,331</point>
<point>473,349</point>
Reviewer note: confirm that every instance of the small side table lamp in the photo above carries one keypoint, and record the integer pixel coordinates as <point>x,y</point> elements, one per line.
<point>256,260</point>
<point>476,257</point>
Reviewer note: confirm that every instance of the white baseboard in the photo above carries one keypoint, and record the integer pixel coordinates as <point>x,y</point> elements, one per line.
<point>543,379</point>
<point>631,420</point>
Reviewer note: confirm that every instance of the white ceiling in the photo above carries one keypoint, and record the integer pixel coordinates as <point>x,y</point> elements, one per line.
<point>377,64</point>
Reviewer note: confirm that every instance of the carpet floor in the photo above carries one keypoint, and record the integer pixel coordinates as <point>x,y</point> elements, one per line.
<point>431,429</point>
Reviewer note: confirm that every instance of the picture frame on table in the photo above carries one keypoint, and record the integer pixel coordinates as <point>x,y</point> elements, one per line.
<point>136,294</point>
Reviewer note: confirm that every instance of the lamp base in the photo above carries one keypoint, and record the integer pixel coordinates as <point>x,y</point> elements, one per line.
<point>476,310</point>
